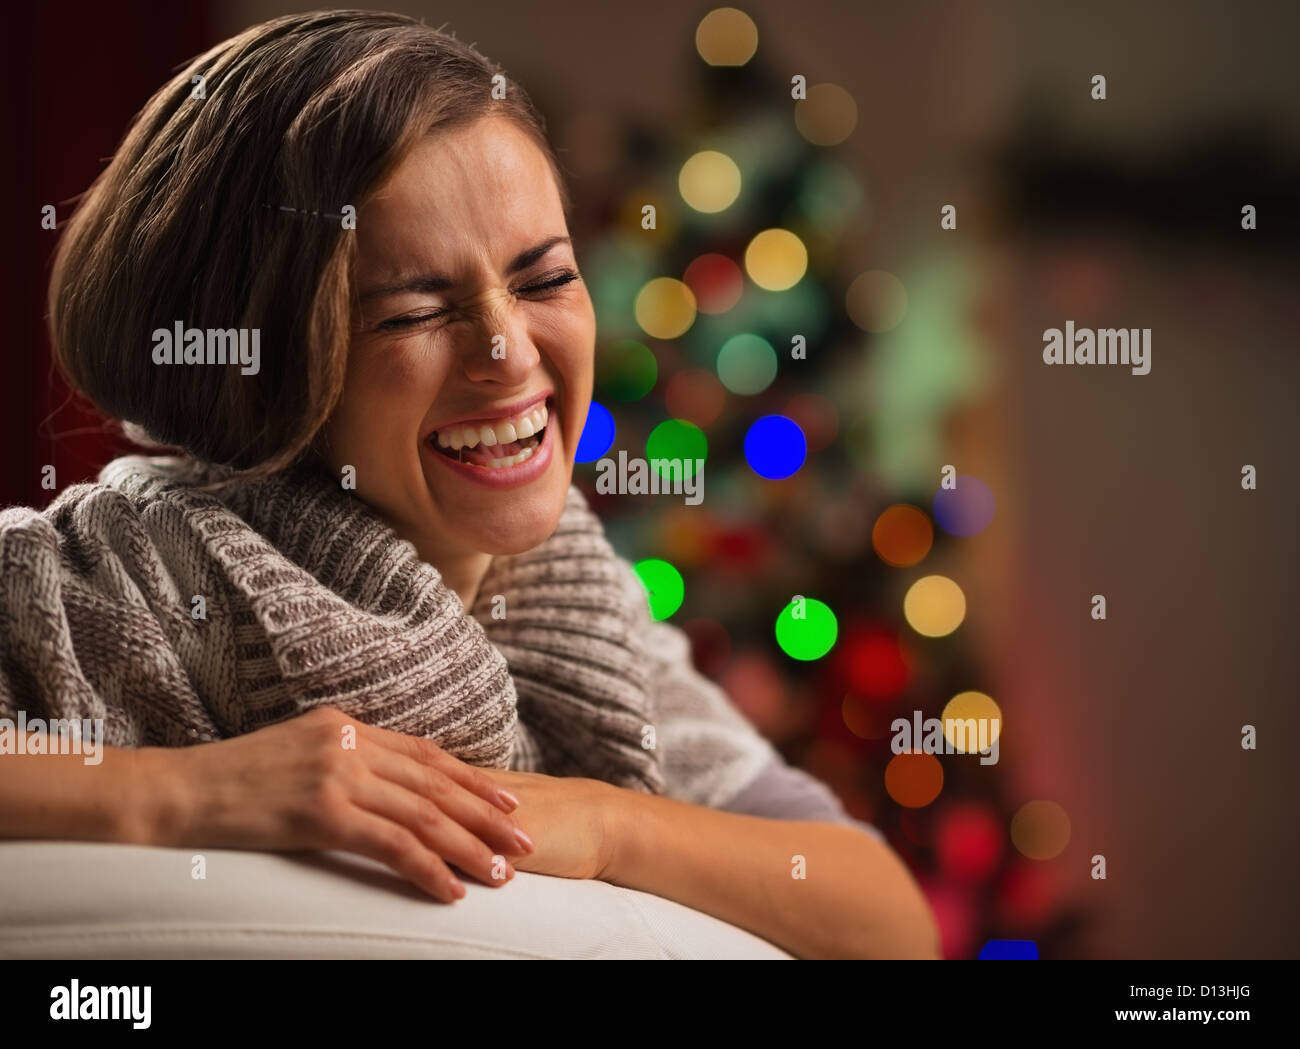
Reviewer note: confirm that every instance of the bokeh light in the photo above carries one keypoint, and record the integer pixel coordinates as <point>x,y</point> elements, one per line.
<point>913,779</point>
<point>817,418</point>
<point>972,706</point>
<point>776,260</point>
<point>775,447</point>
<point>876,301</point>
<point>665,588</point>
<point>726,37</point>
<point>811,634</point>
<point>715,281</point>
<point>665,308</point>
<point>969,840</point>
<point>626,370</point>
<point>1040,830</point>
<point>875,664</point>
<point>597,434</point>
<point>827,116</point>
<point>902,535</point>
<point>709,181</point>
<point>695,395</point>
<point>965,510</point>
<point>934,606</point>
<point>1008,951</point>
<point>746,364</point>
<point>677,439</point>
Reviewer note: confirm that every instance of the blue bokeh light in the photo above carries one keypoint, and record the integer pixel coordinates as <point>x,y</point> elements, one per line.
<point>965,510</point>
<point>775,447</point>
<point>597,434</point>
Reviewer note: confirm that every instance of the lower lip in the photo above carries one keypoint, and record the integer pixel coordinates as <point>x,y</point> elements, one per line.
<point>502,476</point>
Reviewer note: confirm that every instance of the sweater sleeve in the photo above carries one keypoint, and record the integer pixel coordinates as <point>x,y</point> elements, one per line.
<point>784,792</point>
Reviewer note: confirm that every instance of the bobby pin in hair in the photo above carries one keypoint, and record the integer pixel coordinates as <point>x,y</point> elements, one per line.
<point>304,211</point>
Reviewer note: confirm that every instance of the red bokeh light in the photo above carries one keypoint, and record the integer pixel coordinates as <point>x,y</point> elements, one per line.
<point>874,663</point>
<point>970,841</point>
<point>716,282</point>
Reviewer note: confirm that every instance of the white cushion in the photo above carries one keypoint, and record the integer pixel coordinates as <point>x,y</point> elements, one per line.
<point>84,900</point>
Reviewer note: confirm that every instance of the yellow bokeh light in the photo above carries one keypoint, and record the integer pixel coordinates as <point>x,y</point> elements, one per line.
<point>726,37</point>
<point>709,181</point>
<point>964,708</point>
<point>665,308</point>
<point>934,606</point>
<point>1040,830</point>
<point>776,260</point>
<point>827,116</point>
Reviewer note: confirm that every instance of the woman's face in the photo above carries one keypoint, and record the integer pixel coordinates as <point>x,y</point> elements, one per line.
<point>470,369</point>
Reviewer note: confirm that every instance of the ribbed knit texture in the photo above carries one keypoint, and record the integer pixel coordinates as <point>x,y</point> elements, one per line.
<point>312,600</point>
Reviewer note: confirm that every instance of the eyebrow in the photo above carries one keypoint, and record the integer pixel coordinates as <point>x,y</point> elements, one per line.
<point>435,282</point>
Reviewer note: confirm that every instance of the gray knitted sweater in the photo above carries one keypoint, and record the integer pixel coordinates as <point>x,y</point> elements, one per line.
<point>308,599</point>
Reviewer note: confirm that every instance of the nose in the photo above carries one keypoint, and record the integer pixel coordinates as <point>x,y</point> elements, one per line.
<point>497,346</point>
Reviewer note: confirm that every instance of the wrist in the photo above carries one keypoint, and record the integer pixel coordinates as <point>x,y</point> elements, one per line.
<point>620,810</point>
<point>156,796</point>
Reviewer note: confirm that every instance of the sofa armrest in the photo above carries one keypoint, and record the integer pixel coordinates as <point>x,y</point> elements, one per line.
<point>89,900</point>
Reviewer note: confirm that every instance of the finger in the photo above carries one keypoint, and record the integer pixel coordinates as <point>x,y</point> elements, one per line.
<point>493,827</point>
<point>427,752</point>
<point>435,828</point>
<point>397,848</point>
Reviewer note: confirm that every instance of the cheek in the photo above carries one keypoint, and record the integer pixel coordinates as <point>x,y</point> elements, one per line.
<point>386,394</point>
<point>572,338</point>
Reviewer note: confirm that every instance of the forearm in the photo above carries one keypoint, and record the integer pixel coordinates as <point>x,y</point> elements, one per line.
<point>855,899</point>
<point>59,796</point>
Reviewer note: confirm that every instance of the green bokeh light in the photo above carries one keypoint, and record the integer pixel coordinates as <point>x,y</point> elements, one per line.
<point>809,637</point>
<point>676,439</point>
<point>664,586</point>
<point>626,370</point>
<point>746,364</point>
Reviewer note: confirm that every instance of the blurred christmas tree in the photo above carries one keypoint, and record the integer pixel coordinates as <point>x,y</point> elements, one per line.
<point>723,255</point>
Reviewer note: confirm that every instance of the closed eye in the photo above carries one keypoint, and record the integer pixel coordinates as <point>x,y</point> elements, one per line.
<point>551,281</point>
<point>548,283</point>
<point>409,321</point>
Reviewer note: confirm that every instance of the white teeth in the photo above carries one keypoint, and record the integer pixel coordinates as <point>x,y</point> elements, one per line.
<point>510,460</point>
<point>503,432</point>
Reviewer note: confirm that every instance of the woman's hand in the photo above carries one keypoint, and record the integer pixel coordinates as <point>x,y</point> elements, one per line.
<point>568,817</point>
<point>396,798</point>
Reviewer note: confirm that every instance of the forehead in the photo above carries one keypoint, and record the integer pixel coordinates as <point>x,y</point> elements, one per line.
<point>486,187</point>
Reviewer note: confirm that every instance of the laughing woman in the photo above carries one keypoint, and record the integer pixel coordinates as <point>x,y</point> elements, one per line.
<point>364,608</point>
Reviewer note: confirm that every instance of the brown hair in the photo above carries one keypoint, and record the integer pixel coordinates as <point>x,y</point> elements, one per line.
<point>187,223</point>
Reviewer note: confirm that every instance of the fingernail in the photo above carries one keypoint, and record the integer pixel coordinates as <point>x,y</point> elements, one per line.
<point>508,798</point>
<point>525,842</point>
<point>457,889</point>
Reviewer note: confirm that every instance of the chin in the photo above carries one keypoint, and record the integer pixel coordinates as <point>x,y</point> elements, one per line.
<point>525,523</point>
<point>499,522</point>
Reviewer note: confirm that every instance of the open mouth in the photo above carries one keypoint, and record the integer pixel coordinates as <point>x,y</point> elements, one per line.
<point>494,445</point>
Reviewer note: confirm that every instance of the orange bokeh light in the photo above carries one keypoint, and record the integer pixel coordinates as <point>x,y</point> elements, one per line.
<point>914,779</point>
<point>902,535</point>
